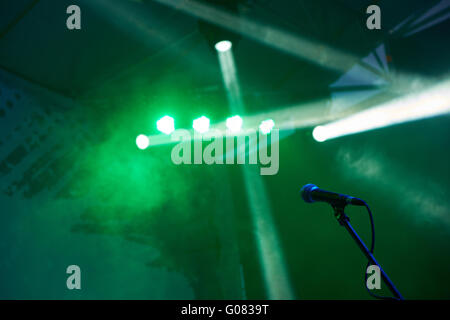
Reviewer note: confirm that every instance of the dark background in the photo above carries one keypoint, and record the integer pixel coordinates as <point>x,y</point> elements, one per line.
<point>74,188</point>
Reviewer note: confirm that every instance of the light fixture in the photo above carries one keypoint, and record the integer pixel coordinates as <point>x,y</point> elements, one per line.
<point>142,141</point>
<point>320,133</point>
<point>234,124</point>
<point>223,46</point>
<point>166,125</point>
<point>266,126</point>
<point>201,125</point>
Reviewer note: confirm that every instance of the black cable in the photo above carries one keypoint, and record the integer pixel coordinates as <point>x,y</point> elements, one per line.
<point>372,248</point>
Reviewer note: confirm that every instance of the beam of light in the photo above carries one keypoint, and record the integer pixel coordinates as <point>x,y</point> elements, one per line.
<point>234,124</point>
<point>228,68</point>
<point>142,141</point>
<point>201,125</point>
<point>418,195</point>
<point>223,46</point>
<point>266,126</point>
<point>274,271</point>
<point>166,125</point>
<point>138,22</point>
<point>132,19</point>
<point>431,102</point>
<point>309,50</point>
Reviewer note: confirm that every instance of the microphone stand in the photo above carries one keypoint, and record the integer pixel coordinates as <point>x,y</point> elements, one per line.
<point>344,221</point>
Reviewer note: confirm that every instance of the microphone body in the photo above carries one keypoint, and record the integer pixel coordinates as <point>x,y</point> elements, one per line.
<point>311,193</point>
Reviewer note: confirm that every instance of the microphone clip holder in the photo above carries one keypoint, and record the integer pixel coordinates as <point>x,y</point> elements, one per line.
<point>340,215</point>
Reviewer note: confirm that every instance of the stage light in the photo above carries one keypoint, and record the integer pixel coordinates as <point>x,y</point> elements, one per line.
<point>234,124</point>
<point>320,133</point>
<point>166,125</point>
<point>142,141</point>
<point>223,45</point>
<point>266,126</point>
<point>201,124</point>
<point>429,103</point>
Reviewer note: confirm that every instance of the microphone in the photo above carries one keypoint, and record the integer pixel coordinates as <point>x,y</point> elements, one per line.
<point>311,193</point>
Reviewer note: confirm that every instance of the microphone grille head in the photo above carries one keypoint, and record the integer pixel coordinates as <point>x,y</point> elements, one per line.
<point>306,192</point>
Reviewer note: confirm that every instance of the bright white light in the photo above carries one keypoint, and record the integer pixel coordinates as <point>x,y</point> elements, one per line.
<point>426,104</point>
<point>320,133</point>
<point>201,124</point>
<point>223,46</point>
<point>266,126</point>
<point>142,141</point>
<point>166,125</point>
<point>234,124</point>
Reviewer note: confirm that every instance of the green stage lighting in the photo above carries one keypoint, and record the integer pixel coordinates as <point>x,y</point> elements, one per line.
<point>201,125</point>
<point>266,126</point>
<point>234,124</point>
<point>166,125</point>
<point>142,141</point>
